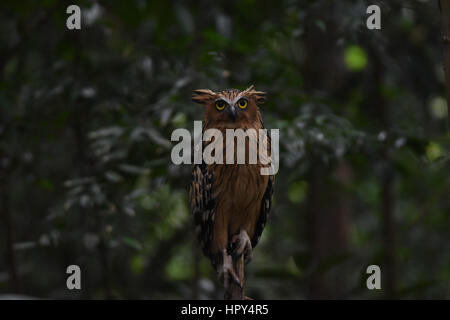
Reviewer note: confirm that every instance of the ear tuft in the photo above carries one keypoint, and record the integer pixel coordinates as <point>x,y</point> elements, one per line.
<point>259,96</point>
<point>249,88</point>
<point>202,96</point>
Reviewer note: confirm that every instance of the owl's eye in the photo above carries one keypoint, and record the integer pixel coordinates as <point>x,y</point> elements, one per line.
<point>242,103</point>
<point>220,104</point>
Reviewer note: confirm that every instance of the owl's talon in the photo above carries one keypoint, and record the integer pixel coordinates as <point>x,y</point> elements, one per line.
<point>242,245</point>
<point>227,272</point>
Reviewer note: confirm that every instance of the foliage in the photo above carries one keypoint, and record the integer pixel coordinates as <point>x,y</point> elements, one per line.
<point>86,118</point>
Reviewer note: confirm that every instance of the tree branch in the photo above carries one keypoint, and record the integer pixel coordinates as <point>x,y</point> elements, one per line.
<point>234,291</point>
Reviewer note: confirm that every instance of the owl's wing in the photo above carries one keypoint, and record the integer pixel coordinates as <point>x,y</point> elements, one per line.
<point>202,205</point>
<point>266,204</point>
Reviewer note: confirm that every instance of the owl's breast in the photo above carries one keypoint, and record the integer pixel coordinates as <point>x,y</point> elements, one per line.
<point>238,193</point>
<point>238,185</point>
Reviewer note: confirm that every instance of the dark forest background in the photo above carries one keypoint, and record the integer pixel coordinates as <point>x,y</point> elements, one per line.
<point>85,123</point>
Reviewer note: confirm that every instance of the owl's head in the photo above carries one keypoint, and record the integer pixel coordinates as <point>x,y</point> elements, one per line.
<point>231,108</point>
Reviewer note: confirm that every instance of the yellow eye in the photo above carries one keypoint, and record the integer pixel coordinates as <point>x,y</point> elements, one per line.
<point>242,103</point>
<point>220,104</point>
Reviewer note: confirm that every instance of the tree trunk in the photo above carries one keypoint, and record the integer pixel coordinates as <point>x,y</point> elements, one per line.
<point>315,231</point>
<point>388,232</point>
<point>445,10</point>
<point>196,278</point>
<point>7,225</point>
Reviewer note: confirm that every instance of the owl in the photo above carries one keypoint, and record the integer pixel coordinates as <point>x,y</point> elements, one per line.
<point>230,202</point>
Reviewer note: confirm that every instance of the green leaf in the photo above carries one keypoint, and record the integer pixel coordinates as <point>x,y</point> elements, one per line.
<point>132,243</point>
<point>433,151</point>
<point>355,58</point>
<point>297,191</point>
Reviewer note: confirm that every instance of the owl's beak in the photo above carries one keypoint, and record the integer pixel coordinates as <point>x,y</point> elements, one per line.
<point>233,113</point>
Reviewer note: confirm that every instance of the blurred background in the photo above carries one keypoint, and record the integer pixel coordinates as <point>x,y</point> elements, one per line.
<point>85,123</point>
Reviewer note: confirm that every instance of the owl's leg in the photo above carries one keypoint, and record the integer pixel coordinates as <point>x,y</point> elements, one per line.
<point>226,270</point>
<point>242,245</point>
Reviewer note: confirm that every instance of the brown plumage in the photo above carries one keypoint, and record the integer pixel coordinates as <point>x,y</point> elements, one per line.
<point>230,202</point>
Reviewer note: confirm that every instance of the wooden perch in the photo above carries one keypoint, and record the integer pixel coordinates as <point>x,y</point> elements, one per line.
<point>234,291</point>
